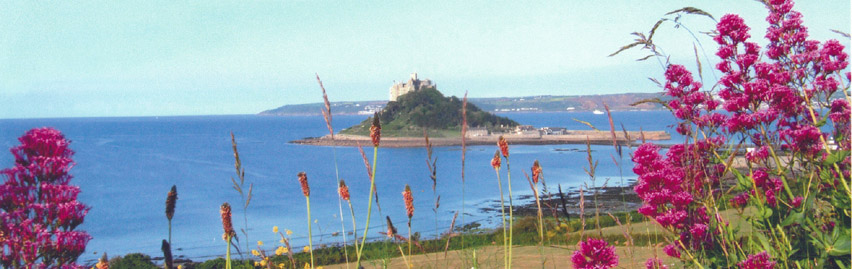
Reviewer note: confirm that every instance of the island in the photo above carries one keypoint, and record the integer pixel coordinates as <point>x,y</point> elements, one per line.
<point>416,108</point>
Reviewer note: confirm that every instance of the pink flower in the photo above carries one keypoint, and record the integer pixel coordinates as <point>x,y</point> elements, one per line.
<point>655,263</point>
<point>672,251</point>
<point>757,261</point>
<point>595,253</point>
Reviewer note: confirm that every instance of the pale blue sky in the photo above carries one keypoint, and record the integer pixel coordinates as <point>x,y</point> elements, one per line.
<point>142,58</point>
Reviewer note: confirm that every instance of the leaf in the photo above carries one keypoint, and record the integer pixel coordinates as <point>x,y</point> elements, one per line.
<point>836,156</point>
<point>764,242</point>
<point>820,123</point>
<point>793,218</point>
<point>841,247</point>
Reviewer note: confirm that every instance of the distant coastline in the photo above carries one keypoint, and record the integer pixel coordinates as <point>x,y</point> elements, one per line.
<point>526,104</point>
<point>575,137</point>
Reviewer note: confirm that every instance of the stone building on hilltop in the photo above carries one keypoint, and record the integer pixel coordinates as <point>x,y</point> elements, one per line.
<point>413,84</point>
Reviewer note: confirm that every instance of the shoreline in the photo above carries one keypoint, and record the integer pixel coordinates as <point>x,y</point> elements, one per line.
<point>574,137</point>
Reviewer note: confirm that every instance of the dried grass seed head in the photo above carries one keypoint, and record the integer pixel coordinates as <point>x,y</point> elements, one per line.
<point>536,172</point>
<point>303,180</point>
<point>504,146</point>
<point>495,162</point>
<point>409,201</point>
<point>376,130</point>
<point>227,225</point>
<point>171,201</point>
<point>343,190</point>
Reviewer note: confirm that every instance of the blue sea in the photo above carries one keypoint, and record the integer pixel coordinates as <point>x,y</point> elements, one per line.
<point>126,166</point>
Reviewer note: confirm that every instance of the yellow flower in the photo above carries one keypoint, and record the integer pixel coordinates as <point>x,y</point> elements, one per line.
<point>307,266</point>
<point>306,249</point>
<point>281,265</point>
<point>289,233</point>
<point>254,252</point>
<point>259,243</point>
<point>256,264</point>
<point>263,262</point>
<point>281,250</point>
<point>180,266</point>
<point>275,229</point>
<point>282,240</point>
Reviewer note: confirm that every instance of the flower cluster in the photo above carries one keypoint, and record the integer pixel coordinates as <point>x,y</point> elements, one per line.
<point>594,253</point>
<point>343,190</point>
<point>39,211</point>
<point>409,201</point>
<point>536,172</point>
<point>780,99</point>
<point>757,261</point>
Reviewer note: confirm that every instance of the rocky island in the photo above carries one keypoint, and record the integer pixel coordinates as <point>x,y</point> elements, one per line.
<point>417,107</point>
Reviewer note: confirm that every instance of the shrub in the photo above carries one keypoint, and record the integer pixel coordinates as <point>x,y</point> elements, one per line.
<point>795,181</point>
<point>39,210</point>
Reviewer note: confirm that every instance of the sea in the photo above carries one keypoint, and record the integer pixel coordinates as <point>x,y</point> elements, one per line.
<point>125,167</point>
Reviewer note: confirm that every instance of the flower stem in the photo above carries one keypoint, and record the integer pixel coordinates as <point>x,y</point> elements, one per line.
<point>511,208</point>
<point>228,252</point>
<point>369,204</point>
<point>503,218</point>
<point>354,229</point>
<point>310,231</point>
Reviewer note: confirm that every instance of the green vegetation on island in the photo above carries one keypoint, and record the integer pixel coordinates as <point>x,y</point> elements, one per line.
<point>428,109</point>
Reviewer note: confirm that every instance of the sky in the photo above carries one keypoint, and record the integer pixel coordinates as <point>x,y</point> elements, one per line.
<point>160,58</point>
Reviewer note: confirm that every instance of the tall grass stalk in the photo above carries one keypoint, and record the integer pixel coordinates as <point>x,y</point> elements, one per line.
<point>539,213</point>
<point>495,163</point>
<point>463,154</point>
<point>504,147</point>
<point>375,135</point>
<point>306,190</point>
<point>246,197</point>
<point>326,113</point>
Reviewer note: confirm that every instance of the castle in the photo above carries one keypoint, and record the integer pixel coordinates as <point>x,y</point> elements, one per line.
<point>413,84</point>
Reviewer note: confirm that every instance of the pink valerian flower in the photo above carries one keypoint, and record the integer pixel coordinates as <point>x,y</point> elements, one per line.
<point>757,155</point>
<point>595,253</point>
<point>38,209</point>
<point>757,261</point>
<point>803,138</point>
<point>796,202</point>
<point>672,251</point>
<point>655,263</point>
<point>741,200</point>
<point>689,102</point>
<point>832,57</point>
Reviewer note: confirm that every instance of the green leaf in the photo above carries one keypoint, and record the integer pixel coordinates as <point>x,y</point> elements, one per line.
<point>793,218</point>
<point>764,242</point>
<point>821,122</point>
<point>741,180</point>
<point>836,156</point>
<point>841,247</point>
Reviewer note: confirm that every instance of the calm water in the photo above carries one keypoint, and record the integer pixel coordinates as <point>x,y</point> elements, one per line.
<point>125,167</point>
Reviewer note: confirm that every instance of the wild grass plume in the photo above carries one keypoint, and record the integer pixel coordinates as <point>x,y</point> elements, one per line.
<point>171,201</point>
